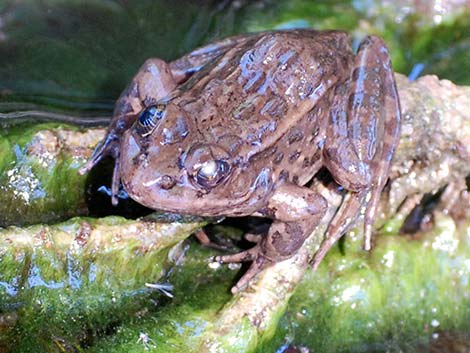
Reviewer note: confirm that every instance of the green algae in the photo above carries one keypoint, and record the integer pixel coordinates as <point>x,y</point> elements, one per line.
<point>406,293</point>
<point>441,48</point>
<point>70,282</point>
<point>199,293</point>
<point>39,176</point>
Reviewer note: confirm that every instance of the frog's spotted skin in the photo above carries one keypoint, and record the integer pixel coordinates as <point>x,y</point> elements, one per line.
<point>239,126</point>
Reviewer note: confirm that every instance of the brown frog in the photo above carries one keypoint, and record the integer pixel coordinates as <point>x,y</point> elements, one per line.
<point>238,127</point>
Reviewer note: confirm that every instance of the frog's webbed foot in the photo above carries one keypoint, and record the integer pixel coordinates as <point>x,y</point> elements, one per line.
<point>258,263</point>
<point>108,147</point>
<point>296,211</point>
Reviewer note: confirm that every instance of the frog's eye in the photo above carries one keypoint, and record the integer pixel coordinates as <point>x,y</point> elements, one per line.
<point>211,173</point>
<point>148,119</point>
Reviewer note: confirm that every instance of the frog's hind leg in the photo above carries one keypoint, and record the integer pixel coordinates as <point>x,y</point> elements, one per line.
<point>361,139</point>
<point>391,130</point>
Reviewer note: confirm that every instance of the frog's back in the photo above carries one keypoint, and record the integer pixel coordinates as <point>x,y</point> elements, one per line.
<point>253,94</point>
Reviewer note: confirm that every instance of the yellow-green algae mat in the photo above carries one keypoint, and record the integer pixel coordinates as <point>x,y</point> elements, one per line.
<point>404,294</point>
<point>61,285</point>
<point>80,286</point>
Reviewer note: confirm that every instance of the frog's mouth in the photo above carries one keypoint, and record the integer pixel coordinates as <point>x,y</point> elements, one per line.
<point>236,196</point>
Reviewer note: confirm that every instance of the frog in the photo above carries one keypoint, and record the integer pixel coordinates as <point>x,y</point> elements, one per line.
<point>240,126</point>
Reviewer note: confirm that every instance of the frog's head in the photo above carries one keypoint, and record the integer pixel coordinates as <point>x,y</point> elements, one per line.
<point>166,164</point>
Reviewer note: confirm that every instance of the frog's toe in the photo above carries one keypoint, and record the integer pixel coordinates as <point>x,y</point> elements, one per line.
<point>204,239</point>
<point>247,255</point>
<point>94,160</point>
<point>259,263</point>
<point>109,147</point>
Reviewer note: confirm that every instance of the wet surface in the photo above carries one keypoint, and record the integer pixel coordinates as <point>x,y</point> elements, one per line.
<point>62,57</point>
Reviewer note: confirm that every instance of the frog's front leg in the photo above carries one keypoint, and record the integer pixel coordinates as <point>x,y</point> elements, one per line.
<point>361,139</point>
<point>296,211</point>
<point>153,81</point>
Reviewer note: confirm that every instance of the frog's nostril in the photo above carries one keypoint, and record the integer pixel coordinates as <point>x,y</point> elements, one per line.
<point>166,182</point>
